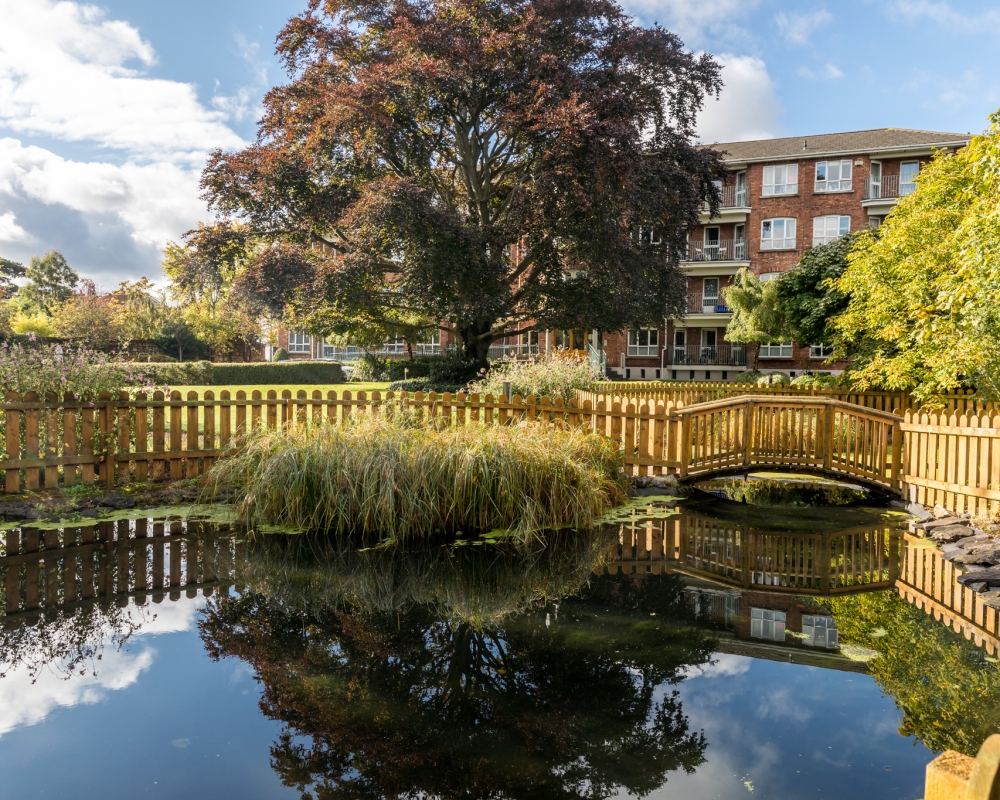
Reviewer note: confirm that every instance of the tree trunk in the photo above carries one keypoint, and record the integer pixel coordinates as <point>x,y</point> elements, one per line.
<point>756,357</point>
<point>475,347</point>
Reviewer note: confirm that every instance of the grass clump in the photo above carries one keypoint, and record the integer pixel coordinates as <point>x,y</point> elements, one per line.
<point>774,493</point>
<point>394,478</point>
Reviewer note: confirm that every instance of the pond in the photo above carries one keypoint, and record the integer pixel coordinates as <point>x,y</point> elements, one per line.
<point>709,651</point>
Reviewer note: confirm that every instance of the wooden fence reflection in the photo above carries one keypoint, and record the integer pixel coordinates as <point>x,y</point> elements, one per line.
<point>859,559</point>
<point>111,562</point>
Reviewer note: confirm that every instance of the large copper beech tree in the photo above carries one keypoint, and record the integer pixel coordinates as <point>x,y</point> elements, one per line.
<point>476,163</point>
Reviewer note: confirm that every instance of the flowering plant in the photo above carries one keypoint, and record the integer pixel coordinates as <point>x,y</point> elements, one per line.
<point>57,369</point>
<point>557,376</point>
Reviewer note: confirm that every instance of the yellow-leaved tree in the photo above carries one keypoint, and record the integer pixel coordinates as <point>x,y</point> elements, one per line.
<point>924,288</point>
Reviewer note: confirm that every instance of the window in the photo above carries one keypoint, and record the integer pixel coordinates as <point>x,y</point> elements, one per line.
<point>740,243</point>
<point>741,189</point>
<point>776,350</point>
<point>777,234</point>
<point>644,342</point>
<point>781,180</point>
<point>875,181</point>
<point>827,229</point>
<point>819,351</point>
<point>819,631</point>
<point>767,624</point>
<point>299,342</point>
<point>907,172</point>
<point>329,350</point>
<point>833,176</point>
<point>710,295</point>
<point>649,236</point>
<point>708,340</point>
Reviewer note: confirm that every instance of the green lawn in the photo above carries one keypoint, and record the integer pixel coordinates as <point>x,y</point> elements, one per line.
<point>353,388</point>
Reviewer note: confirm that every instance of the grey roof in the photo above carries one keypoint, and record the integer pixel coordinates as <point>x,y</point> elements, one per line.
<point>850,142</point>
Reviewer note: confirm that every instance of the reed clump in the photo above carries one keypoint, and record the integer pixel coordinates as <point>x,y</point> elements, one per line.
<point>394,478</point>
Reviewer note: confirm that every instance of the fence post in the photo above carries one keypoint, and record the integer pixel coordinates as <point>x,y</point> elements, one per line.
<point>685,443</point>
<point>830,411</point>
<point>106,423</point>
<point>897,455</point>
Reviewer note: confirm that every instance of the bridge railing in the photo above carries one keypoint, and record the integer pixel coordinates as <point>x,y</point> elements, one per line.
<point>815,433</point>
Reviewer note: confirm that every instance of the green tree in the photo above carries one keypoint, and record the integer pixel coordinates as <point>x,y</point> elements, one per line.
<point>487,165</point>
<point>756,318</point>
<point>924,310</point>
<point>51,280</point>
<point>9,270</point>
<point>808,295</point>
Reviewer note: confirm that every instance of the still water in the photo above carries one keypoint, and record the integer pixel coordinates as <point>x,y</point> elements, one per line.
<point>705,653</point>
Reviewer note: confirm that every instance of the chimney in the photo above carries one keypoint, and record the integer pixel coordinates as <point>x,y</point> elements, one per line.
<point>805,144</point>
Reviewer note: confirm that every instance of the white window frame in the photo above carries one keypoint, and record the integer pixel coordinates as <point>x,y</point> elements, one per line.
<point>329,350</point>
<point>776,350</point>
<point>741,189</point>
<point>781,179</point>
<point>840,183</point>
<point>830,228</point>
<point>819,351</point>
<point>911,186</point>
<point>768,229</point>
<point>820,631</point>
<point>650,236</point>
<point>299,343</point>
<point>709,299</point>
<point>644,342</point>
<point>765,623</point>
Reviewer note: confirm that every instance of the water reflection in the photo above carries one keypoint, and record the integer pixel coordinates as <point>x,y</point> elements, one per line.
<point>488,669</point>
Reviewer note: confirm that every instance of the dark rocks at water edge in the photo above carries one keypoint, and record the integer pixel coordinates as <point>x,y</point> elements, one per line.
<point>659,485</point>
<point>975,551</point>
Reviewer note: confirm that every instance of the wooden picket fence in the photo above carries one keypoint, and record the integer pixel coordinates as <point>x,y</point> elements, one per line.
<point>49,443</point>
<point>954,460</point>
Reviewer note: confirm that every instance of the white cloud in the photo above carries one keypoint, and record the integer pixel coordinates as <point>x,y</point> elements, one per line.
<point>68,73</point>
<point>797,27</point>
<point>64,74</point>
<point>10,231</point>
<point>697,23</point>
<point>943,14</point>
<point>748,107</point>
<point>722,665</point>
<point>828,72</point>
<point>27,701</point>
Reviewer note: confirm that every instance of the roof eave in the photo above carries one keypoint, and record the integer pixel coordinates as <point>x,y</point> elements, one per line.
<point>915,149</point>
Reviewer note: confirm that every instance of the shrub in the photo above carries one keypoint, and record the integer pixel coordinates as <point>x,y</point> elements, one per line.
<point>58,369</point>
<point>819,380</point>
<point>452,370</point>
<point>291,372</point>
<point>771,493</point>
<point>157,358</point>
<point>401,369</point>
<point>545,377</point>
<point>390,478</point>
<point>369,368</point>
<point>32,324</point>
<point>178,373</point>
<point>747,377</point>
<point>281,354</point>
<point>773,379</point>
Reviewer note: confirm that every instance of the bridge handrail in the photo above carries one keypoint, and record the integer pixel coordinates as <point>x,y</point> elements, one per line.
<point>801,402</point>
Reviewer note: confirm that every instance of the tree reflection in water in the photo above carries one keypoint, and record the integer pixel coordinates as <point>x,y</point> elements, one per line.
<point>446,672</point>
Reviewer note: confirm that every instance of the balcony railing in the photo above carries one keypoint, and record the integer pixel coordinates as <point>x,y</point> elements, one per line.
<point>887,187</point>
<point>500,350</point>
<point>731,197</point>
<point>720,355</point>
<point>699,304</point>
<point>721,250</point>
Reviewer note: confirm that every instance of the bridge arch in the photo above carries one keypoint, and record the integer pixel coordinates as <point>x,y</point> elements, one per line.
<point>798,433</point>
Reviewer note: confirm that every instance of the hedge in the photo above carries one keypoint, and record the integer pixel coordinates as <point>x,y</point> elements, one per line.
<point>278,372</point>
<point>205,373</point>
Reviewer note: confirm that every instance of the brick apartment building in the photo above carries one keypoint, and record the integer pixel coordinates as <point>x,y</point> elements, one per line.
<point>780,197</point>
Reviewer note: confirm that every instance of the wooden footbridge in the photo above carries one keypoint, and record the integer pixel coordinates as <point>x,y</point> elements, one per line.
<point>799,433</point>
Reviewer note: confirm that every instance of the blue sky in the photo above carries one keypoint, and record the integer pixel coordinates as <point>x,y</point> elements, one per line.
<point>107,111</point>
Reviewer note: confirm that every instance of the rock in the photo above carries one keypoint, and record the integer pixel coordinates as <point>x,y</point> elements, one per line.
<point>940,512</point>
<point>986,597</point>
<point>977,586</point>
<point>90,513</point>
<point>955,547</point>
<point>665,480</point>
<point>972,541</point>
<point>641,481</point>
<point>988,555</point>
<point>34,513</point>
<point>949,533</point>
<point>14,511</point>
<point>930,525</point>
<point>116,500</point>
<point>898,504</point>
<point>984,575</point>
<point>919,511</point>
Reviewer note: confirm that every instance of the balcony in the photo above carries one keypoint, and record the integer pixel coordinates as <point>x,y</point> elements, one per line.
<point>733,205</point>
<point>699,355</point>
<point>701,304</point>
<point>721,250</point>
<point>887,187</point>
<point>518,351</point>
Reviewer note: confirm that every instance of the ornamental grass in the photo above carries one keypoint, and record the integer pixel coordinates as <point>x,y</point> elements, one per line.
<point>395,478</point>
